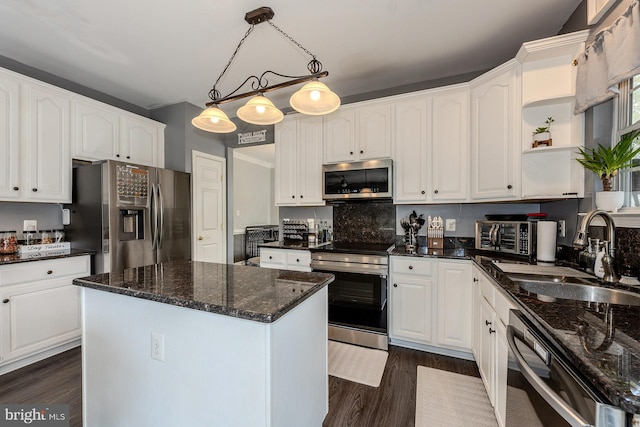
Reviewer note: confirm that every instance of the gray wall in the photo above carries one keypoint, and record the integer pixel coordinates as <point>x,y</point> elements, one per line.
<point>48,215</point>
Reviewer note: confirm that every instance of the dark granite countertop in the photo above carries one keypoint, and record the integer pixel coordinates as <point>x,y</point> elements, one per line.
<point>613,369</point>
<point>17,258</point>
<point>253,293</point>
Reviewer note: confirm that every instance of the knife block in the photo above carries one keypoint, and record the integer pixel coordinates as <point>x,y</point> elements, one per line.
<point>435,242</point>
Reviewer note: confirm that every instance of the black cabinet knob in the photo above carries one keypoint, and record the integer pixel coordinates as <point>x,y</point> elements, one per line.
<point>301,196</point>
<point>6,300</point>
<point>361,152</point>
<point>351,153</point>
<point>128,157</point>
<point>49,271</point>
<point>270,257</point>
<point>487,323</point>
<point>475,279</point>
<point>422,192</point>
<point>293,197</point>
<point>395,285</point>
<point>491,331</point>
<point>16,188</point>
<point>435,191</point>
<point>509,186</point>
<point>34,189</point>
<point>117,155</point>
<point>297,260</point>
<point>411,267</point>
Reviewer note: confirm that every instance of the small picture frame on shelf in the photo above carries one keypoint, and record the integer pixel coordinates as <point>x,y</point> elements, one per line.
<point>543,143</point>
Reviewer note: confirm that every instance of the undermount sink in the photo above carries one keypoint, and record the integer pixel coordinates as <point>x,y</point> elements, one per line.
<point>573,288</point>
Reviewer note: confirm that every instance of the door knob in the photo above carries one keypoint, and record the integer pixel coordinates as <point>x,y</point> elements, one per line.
<point>6,300</point>
<point>200,237</point>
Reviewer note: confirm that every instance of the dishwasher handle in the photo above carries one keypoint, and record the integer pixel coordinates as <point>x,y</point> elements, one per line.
<point>555,401</point>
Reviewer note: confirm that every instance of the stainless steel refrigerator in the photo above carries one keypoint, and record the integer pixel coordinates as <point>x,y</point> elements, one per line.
<point>131,215</point>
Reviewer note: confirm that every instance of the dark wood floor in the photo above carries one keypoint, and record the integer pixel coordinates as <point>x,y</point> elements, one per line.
<point>392,404</point>
<point>56,380</point>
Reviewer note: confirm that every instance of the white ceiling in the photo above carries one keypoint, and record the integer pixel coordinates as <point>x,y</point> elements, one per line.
<point>153,53</point>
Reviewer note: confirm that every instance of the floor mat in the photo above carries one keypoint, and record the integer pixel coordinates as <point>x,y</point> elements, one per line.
<point>447,399</point>
<point>355,363</point>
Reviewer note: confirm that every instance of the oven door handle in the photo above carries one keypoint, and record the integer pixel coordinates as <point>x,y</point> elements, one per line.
<point>559,405</point>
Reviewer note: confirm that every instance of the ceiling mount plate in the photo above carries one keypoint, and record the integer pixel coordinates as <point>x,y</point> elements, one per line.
<point>259,15</point>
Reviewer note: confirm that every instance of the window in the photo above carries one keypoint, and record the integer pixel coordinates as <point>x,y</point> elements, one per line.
<point>628,121</point>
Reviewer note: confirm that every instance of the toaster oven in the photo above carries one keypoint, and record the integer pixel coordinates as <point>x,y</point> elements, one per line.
<point>513,237</point>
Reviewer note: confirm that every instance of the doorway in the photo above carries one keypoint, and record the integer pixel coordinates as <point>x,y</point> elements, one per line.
<point>252,186</point>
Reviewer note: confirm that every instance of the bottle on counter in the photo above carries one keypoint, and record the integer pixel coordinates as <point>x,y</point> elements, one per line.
<point>8,242</point>
<point>58,236</point>
<point>46,237</point>
<point>29,237</point>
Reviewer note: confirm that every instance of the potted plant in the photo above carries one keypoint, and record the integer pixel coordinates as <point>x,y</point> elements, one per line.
<point>542,134</point>
<point>605,162</point>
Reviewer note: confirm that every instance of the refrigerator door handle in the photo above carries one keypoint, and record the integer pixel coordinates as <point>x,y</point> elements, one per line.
<point>161,214</point>
<point>153,217</point>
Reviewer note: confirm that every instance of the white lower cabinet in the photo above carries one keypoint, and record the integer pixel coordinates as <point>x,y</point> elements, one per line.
<point>40,309</point>
<point>430,303</point>
<point>285,259</point>
<point>491,315</point>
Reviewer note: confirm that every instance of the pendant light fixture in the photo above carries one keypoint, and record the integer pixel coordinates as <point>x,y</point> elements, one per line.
<point>314,98</point>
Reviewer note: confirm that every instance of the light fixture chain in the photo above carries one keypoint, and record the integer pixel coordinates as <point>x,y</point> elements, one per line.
<point>292,40</point>
<point>214,94</point>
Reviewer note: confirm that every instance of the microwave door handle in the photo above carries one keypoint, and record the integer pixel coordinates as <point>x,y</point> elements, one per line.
<point>559,405</point>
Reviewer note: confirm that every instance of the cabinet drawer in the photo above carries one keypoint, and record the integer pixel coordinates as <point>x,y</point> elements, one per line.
<point>487,290</point>
<point>407,265</point>
<point>44,270</point>
<point>298,258</point>
<point>503,305</point>
<point>273,257</point>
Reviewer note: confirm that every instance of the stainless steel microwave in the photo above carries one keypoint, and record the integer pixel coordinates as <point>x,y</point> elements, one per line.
<point>358,180</point>
<point>514,237</point>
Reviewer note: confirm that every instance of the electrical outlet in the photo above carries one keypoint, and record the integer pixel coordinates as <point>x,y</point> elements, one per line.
<point>157,346</point>
<point>450,225</point>
<point>562,228</point>
<point>30,225</point>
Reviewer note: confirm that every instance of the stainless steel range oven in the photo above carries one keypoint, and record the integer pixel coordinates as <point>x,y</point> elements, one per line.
<point>357,297</point>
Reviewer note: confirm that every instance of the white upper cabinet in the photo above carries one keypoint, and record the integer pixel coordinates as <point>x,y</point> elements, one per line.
<point>97,132</point>
<point>47,160</point>
<point>411,157</point>
<point>495,130</point>
<point>548,90</point>
<point>449,136</point>
<point>358,133</point>
<point>431,146</point>
<point>103,132</point>
<point>9,138</point>
<point>298,179</point>
<point>140,140</point>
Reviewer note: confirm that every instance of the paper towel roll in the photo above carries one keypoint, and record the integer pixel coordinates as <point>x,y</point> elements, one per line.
<point>547,231</point>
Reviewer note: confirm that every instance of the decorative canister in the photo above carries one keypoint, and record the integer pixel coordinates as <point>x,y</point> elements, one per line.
<point>8,242</point>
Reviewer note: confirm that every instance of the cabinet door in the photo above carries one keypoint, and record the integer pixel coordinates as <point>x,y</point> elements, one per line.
<point>373,132</point>
<point>449,138</point>
<point>97,133</point>
<point>47,139</point>
<point>411,151</point>
<point>286,163</point>
<point>487,348</point>
<point>309,149</point>
<point>495,145</point>
<point>339,136</point>
<point>411,308</point>
<point>502,362</point>
<point>139,141</point>
<point>454,305</point>
<point>38,316</point>
<point>9,138</point>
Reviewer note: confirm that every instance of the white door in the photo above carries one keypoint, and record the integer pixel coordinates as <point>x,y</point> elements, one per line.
<point>209,208</point>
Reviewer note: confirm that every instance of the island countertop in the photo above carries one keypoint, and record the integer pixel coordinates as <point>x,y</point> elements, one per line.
<point>253,293</point>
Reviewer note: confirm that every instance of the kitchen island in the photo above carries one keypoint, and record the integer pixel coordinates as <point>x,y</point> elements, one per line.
<point>192,343</point>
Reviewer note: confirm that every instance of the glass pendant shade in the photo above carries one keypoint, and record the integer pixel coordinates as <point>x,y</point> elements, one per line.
<point>215,120</point>
<point>315,99</point>
<point>260,111</point>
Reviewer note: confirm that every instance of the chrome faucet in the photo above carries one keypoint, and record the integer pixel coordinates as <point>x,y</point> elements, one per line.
<point>580,242</point>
